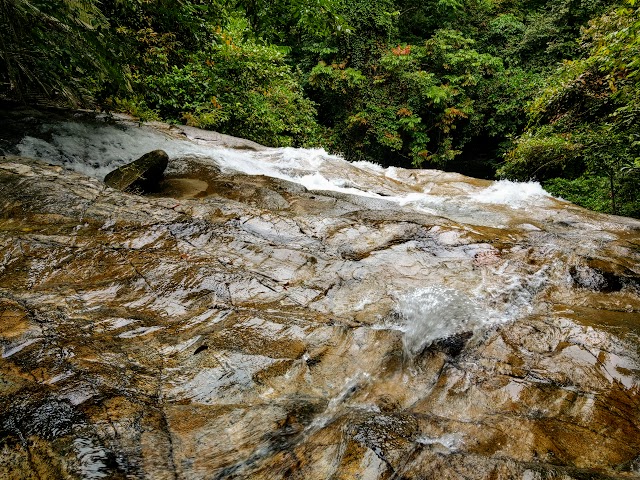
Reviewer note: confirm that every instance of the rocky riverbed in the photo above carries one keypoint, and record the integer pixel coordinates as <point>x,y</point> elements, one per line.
<point>246,326</point>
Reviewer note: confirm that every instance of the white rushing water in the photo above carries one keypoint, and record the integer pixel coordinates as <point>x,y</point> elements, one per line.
<point>436,312</point>
<point>97,148</point>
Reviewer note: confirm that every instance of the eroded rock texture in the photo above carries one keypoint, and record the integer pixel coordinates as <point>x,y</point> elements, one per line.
<point>244,327</point>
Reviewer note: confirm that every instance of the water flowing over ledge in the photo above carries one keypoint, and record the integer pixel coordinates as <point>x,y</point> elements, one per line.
<point>280,313</point>
<point>95,149</point>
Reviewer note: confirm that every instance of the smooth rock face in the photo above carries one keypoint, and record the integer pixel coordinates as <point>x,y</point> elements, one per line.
<point>140,176</point>
<point>244,327</point>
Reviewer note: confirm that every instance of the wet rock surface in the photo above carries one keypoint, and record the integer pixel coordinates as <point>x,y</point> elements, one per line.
<point>235,326</point>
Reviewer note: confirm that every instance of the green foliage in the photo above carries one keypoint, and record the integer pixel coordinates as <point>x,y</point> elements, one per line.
<point>292,22</point>
<point>55,50</point>
<point>586,121</point>
<point>401,82</point>
<point>155,35</point>
<point>409,107</point>
<point>373,23</point>
<point>455,59</point>
<point>504,36</point>
<point>538,34</point>
<point>134,105</point>
<point>587,190</point>
<point>420,19</point>
<point>501,100</point>
<point>240,88</point>
<point>333,78</point>
<point>541,155</point>
<point>594,192</point>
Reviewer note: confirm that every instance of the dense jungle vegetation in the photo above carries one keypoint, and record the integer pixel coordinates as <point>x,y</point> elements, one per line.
<point>539,89</point>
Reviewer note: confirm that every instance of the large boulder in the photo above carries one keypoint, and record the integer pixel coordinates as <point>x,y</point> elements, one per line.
<point>140,176</point>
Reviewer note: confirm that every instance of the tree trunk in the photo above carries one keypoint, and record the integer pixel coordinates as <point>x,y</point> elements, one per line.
<point>612,186</point>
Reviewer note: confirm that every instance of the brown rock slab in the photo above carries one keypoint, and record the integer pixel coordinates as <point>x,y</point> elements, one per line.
<point>243,327</point>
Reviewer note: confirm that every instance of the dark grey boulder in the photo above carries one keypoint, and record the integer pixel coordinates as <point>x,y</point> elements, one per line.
<point>140,176</point>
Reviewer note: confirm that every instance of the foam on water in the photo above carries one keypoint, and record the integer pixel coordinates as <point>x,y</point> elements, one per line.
<point>450,441</point>
<point>374,167</point>
<point>97,148</point>
<point>514,294</point>
<point>436,312</point>
<point>92,149</point>
<point>512,194</point>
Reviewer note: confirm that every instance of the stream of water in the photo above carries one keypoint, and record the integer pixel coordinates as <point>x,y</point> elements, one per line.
<point>95,149</point>
<point>425,314</point>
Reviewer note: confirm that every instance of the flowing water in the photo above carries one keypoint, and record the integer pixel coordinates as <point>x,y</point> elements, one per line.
<point>427,314</point>
<point>95,149</point>
<point>282,313</point>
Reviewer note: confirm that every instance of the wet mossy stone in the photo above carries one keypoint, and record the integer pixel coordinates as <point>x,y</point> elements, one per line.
<point>140,176</point>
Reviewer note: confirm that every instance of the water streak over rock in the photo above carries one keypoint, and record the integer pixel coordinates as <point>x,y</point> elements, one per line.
<point>277,313</point>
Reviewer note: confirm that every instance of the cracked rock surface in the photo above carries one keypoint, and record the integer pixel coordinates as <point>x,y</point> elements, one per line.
<point>237,326</point>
